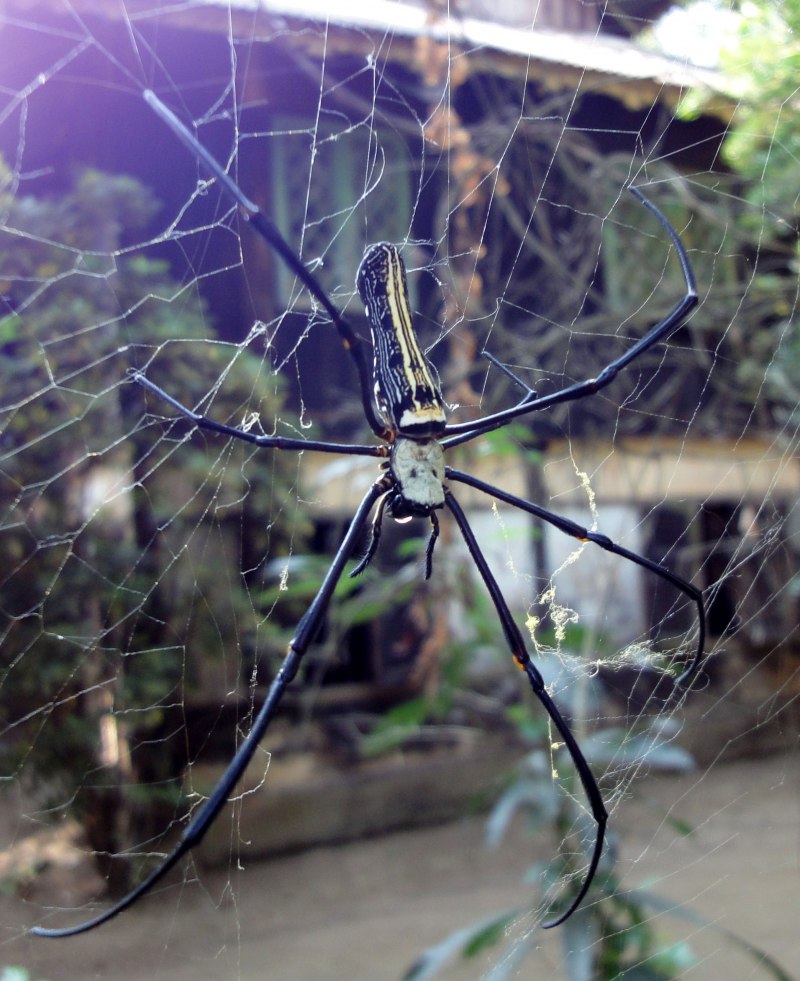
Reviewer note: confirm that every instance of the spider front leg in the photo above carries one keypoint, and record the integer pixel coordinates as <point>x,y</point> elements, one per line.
<point>306,631</point>
<point>519,651</point>
<point>434,537</point>
<point>377,523</point>
<point>574,530</point>
<point>375,537</point>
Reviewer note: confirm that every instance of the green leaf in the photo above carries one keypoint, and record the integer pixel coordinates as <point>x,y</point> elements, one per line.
<point>474,938</point>
<point>10,329</point>
<point>760,956</point>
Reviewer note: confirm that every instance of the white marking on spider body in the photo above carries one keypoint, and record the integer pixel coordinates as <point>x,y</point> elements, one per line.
<point>430,417</point>
<point>406,394</point>
<point>418,468</point>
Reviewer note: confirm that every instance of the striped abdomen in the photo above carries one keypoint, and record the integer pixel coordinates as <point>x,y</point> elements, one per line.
<point>405,392</point>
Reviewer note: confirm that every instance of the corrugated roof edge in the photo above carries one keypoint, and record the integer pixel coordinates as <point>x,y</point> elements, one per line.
<point>599,61</point>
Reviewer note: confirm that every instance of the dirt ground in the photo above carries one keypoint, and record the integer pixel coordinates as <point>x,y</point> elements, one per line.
<point>364,911</point>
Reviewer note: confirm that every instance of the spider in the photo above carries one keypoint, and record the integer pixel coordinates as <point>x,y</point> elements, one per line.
<point>408,416</point>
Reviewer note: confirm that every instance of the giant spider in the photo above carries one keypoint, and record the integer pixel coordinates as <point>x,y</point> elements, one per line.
<point>409,418</point>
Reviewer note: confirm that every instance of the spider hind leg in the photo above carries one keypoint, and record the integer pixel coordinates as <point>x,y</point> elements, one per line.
<point>530,393</point>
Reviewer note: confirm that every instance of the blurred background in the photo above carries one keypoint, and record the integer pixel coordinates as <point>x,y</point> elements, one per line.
<point>411,813</point>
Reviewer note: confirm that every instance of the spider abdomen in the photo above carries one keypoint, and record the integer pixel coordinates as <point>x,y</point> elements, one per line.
<point>405,392</point>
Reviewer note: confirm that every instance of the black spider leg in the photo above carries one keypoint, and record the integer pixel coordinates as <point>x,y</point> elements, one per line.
<point>377,522</point>
<point>431,544</point>
<point>276,442</point>
<point>517,646</point>
<point>269,232</point>
<point>575,530</point>
<point>673,320</point>
<point>375,537</point>
<point>530,393</point>
<point>306,631</point>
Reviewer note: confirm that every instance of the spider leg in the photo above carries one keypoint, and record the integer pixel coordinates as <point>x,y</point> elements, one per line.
<point>377,522</point>
<point>431,544</point>
<point>276,442</point>
<point>198,826</point>
<point>517,646</point>
<point>376,536</point>
<point>673,320</point>
<point>267,229</point>
<point>575,530</point>
<point>478,429</point>
<point>530,393</point>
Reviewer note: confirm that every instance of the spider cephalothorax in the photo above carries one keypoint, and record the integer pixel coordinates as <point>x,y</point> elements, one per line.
<point>412,427</point>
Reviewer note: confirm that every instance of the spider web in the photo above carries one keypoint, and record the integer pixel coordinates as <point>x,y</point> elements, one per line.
<point>152,575</point>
